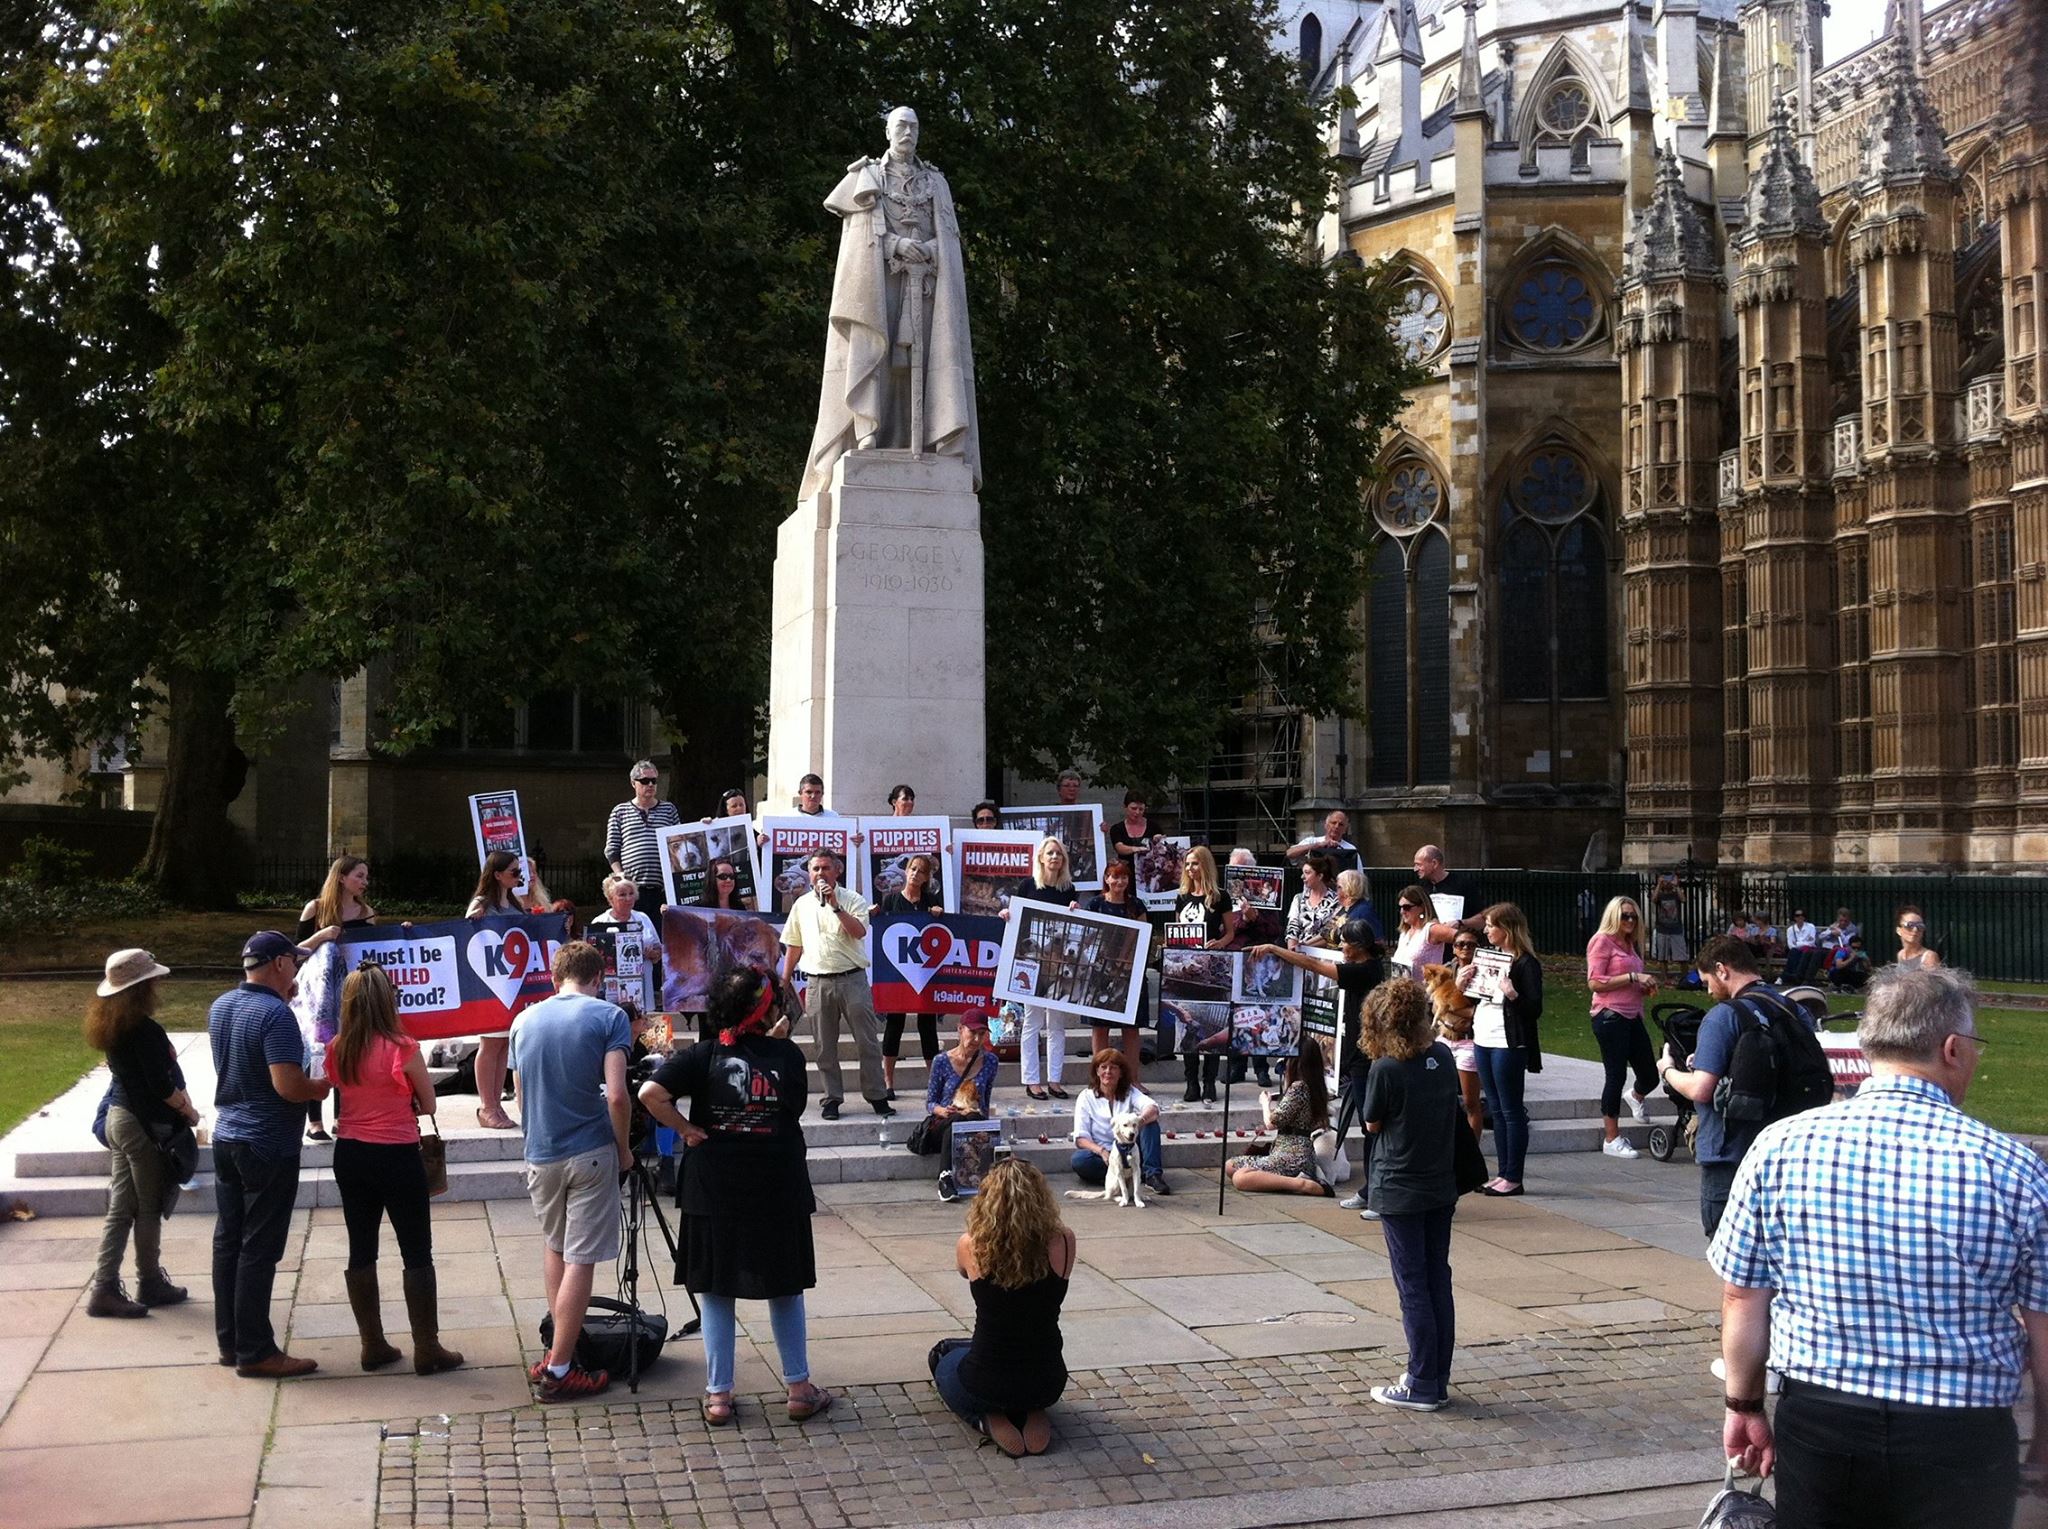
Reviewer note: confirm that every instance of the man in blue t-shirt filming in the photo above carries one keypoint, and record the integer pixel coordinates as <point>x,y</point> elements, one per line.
<point>260,1095</point>
<point>569,1064</point>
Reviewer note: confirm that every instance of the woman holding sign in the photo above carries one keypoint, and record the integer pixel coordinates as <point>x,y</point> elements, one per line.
<point>1118,900</point>
<point>1504,1038</point>
<point>1049,883</point>
<point>1203,901</point>
<point>919,894</point>
<point>496,895</point>
<point>339,906</point>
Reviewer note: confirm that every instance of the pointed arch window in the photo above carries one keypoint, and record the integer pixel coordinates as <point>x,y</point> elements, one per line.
<point>1409,630</point>
<point>1311,47</point>
<point>1553,581</point>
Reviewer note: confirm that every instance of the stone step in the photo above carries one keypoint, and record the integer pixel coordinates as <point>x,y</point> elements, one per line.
<point>1192,1143</point>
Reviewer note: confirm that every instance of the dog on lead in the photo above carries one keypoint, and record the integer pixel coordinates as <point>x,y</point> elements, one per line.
<point>1122,1183</point>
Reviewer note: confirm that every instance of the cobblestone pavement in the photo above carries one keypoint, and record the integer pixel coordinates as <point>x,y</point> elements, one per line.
<point>892,1454</point>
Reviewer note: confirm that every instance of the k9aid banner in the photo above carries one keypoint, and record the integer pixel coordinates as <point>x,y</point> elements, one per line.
<point>463,976</point>
<point>934,963</point>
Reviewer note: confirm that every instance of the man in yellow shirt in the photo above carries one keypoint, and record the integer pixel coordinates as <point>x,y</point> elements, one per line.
<point>825,936</point>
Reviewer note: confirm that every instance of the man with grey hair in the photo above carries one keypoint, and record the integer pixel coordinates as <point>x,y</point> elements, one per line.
<point>1874,1253</point>
<point>630,841</point>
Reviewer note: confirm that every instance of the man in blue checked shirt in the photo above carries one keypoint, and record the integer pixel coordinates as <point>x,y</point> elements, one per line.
<point>1889,1257</point>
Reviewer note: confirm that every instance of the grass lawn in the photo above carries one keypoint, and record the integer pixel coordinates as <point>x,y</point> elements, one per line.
<point>42,1050</point>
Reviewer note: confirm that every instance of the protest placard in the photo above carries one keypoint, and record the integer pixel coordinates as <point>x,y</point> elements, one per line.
<point>1319,1018</point>
<point>974,1153</point>
<point>1255,892</point>
<point>791,842</point>
<point>934,963</point>
<point>1091,964</point>
<point>494,815</point>
<point>1078,827</point>
<point>700,945</point>
<point>886,847</point>
<point>988,862</point>
<point>1490,966</point>
<point>1264,979</point>
<point>1197,1026</point>
<point>690,852</point>
<point>1448,907</point>
<point>463,976</point>
<point>628,968</point>
<point>1261,1029</point>
<point>1155,870</point>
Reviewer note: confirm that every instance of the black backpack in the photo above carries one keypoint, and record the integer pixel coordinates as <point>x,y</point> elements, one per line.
<point>1778,1067</point>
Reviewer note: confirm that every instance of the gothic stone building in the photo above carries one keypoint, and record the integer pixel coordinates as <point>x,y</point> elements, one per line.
<point>1722,526</point>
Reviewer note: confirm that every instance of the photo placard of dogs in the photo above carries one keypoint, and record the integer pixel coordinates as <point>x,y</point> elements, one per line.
<point>1122,1183</point>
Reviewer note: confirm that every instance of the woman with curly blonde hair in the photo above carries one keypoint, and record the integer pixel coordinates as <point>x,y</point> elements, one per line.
<point>1413,1109</point>
<point>1016,1256</point>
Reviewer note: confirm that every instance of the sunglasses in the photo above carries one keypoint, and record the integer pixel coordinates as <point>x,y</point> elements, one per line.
<point>646,780</point>
<point>1628,918</point>
<point>984,822</point>
<point>1464,944</point>
<point>1912,925</point>
<point>726,876</point>
<point>1411,908</point>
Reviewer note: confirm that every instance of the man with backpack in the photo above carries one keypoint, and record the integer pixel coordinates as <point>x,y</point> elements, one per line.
<point>1757,1060</point>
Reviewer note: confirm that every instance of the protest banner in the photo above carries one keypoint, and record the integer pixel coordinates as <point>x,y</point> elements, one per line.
<point>1079,827</point>
<point>1261,1029</point>
<point>1490,967</point>
<point>1090,964</point>
<point>1156,870</point>
<point>1319,1018</point>
<point>974,1152</point>
<point>885,849</point>
<point>934,963</point>
<point>791,842</point>
<point>629,968</point>
<point>700,945</point>
<point>1264,979</point>
<point>689,851</point>
<point>1255,891</point>
<point>494,816</point>
<point>462,976</point>
<point>988,863</point>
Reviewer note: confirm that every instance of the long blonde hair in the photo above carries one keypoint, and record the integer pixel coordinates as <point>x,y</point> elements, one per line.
<point>1038,871</point>
<point>327,906</point>
<point>369,1008</point>
<point>1611,925</point>
<point>1012,1224</point>
<point>1198,859</point>
<point>1513,923</point>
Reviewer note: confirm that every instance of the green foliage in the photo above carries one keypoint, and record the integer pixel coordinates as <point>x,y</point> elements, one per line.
<point>46,863</point>
<point>29,910</point>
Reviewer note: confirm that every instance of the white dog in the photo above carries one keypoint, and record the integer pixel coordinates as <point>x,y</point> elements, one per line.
<point>1122,1183</point>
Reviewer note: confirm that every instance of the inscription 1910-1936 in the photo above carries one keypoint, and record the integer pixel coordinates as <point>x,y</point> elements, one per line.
<point>905,568</point>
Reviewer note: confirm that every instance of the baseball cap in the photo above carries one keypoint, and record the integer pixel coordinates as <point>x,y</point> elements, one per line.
<point>265,946</point>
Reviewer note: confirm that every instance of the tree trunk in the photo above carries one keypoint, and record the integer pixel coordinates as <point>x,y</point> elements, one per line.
<point>716,754</point>
<point>190,857</point>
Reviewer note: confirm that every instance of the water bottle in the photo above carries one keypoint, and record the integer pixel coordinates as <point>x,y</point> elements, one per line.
<point>316,1061</point>
<point>1010,1126</point>
<point>882,1133</point>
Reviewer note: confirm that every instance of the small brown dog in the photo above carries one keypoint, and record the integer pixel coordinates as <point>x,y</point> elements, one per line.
<point>1453,1008</point>
<point>967,1098</point>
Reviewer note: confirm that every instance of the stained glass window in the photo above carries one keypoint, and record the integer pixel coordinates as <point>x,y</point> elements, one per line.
<point>1567,107</point>
<point>1412,499</point>
<point>1420,323</point>
<point>1408,691</point>
<point>1553,485</point>
<point>1553,582</point>
<point>1553,309</point>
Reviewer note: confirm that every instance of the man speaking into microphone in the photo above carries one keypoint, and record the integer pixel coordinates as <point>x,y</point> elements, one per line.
<point>825,937</point>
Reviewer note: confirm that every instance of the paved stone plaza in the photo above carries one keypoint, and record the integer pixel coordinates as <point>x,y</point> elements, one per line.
<point>1220,1363</point>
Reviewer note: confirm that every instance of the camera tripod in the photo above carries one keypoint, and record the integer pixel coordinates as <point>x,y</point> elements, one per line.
<point>641,1194</point>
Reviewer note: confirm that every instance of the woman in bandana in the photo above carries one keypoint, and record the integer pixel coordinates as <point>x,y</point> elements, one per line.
<point>746,1194</point>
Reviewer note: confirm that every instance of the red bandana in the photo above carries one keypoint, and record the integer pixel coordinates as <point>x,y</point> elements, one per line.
<point>755,1016</point>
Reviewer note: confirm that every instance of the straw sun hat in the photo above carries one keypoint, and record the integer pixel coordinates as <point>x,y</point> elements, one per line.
<point>125,968</point>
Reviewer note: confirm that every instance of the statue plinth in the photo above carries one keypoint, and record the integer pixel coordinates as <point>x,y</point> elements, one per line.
<point>878,668</point>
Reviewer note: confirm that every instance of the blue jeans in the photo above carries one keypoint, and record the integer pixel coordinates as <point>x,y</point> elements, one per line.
<point>1500,1079</point>
<point>785,1317</point>
<point>1419,1251</point>
<point>1090,1169</point>
<point>950,1355</point>
<point>253,1194</point>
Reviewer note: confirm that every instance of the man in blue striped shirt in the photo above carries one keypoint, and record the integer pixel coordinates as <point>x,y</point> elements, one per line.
<point>1889,1257</point>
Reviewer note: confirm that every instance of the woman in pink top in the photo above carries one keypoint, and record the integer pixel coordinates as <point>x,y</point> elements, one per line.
<point>382,1080</point>
<point>1614,971</point>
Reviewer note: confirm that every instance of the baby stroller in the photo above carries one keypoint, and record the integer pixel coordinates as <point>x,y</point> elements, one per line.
<point>1680,1025</point>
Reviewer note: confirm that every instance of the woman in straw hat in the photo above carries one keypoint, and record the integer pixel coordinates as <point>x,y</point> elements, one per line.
<point>147,1100</point>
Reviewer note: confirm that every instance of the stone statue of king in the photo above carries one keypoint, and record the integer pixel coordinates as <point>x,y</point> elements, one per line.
<point>899,370</point>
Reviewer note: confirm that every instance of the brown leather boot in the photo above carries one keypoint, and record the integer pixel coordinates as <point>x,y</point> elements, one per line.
<point>111,1300</point>
<point>364,1302</point>
<point>423,1310</point>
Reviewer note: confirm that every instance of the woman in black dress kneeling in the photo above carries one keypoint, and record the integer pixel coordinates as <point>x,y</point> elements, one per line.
<point>1016,1256</point>
<point>746,1194</point>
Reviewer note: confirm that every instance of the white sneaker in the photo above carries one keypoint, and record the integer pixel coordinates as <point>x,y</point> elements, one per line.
<point>1352,1202</point>
<point>1368,1215</point>
<point>1619,1147</point>
<point>1637,1105</point>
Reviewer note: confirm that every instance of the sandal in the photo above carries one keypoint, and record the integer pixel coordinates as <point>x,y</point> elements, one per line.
<point>718,1410</point>
<point>1033,1091</point>
<point>814,1402</point>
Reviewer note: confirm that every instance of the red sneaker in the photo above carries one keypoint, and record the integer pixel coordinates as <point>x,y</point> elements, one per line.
<point>576,1386</point>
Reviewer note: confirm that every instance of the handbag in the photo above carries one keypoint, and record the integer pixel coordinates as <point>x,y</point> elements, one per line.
<point>1468,1162</point>
<point>612,1330</point>
<point>434,1157</point>
<point>1734,1508</point>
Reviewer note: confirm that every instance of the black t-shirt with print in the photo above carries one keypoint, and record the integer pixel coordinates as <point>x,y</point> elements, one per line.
<point>749,1098</point>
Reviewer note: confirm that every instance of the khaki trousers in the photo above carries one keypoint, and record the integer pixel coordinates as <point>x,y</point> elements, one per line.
<point>848,1000</point>
<point>134,1200</point>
